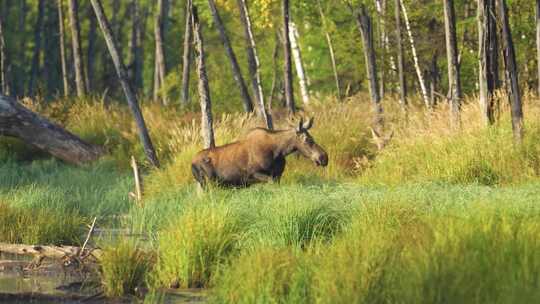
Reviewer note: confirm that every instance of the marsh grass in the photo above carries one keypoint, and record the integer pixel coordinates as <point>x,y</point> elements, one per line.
<point>439,216</point>
<point>39,226</point>
<point>194,247</point>
<point>124,266</point>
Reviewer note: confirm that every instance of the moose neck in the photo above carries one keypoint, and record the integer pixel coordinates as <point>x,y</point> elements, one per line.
<point>284,142</point>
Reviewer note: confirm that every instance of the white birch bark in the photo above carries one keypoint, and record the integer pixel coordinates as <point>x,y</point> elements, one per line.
<point>297,57</point>
<point>415,56</point>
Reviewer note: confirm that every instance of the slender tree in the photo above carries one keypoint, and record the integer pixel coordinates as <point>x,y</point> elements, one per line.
<point>135,47</point>
<point>365,27</point>
<point>400,64</point>
<point>514,94</point>
<point>415,56</point>
<point>91,50</point>
<point>330,48</point>
<point>36,57</point>
<point>380,6</point>
<point>275,55</point>
<point>63,60</point>
<point>77,48</point>
<point>287,66</point>
<point>123,77</point>
<point>237,74</point>
<point>161,67</point>
<point>298,62</point>
<point>187,54</point>
<point>454,83</point>
<point>253,63</point>
<point>488,58</point>
<point>207,128</point>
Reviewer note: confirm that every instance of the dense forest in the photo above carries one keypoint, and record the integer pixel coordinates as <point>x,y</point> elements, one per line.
<point>33,35</point>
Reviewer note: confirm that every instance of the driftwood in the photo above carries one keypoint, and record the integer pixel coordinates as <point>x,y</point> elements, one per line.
<point>52,252</point>
<point>33,129</point>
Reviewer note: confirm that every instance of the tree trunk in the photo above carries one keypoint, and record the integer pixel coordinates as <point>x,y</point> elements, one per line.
<point>454,82</point>
<point>287,66</point>
<point>135,47</point>
<point>330,49</point>
<point>160,50</point>
<point>63,60</point>
<point>415,56</point>
<point>400,64</point>
<point>4,85</point>
<point>488,58</point>
<point>253,64</point>
<point>122,76</point>
<point>381,12</point>
<point>538,42</point>
<point>207,129</point>
<point>51,67</point>
<point>274,72</point>
<point>248,105</point>
<point>297,56</point>
<point>36,57</point>
<point>77,48</point>
<point>513,90</point>
<point>186,57</point>
<point>366,30</point>
<point>17,121</point>
<point>90,52</point>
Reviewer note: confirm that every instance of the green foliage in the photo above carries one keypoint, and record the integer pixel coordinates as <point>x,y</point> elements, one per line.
<point>39,226</point>
<point>194,247</point>
<point>124,267</point>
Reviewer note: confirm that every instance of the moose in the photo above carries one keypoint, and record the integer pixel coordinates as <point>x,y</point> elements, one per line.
<point>260,157</point>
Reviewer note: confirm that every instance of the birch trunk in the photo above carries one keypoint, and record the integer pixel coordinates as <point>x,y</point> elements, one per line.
<point>77,48</point>
<point>63,60</point>
<point>381,11</point>
<point>253,64</point>
<point>415,57</point>
<point>207,128</point>
<point>186,57</point>
<point>297,56</point>
<point>454,82</point>
<point>237,74</point>
<point>122,76</point>
<point>400,64</point>
<point>365,26</point>
<point>514,93</point>
<point>287,66</point>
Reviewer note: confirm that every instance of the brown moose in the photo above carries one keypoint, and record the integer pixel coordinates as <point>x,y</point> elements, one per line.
<point>260,157</point>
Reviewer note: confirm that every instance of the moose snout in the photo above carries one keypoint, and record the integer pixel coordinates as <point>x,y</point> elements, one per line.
<point>321,159</point>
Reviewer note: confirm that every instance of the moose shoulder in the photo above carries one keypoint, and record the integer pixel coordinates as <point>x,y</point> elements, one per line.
<point>260,157</point>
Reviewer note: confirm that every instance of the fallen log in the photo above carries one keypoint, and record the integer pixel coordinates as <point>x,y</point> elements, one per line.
<point>52,252</point>
<point>19,122</point>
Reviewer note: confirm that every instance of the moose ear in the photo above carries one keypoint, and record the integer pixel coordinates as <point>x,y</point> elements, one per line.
<point>300,125</point>
<point>308,124</point>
